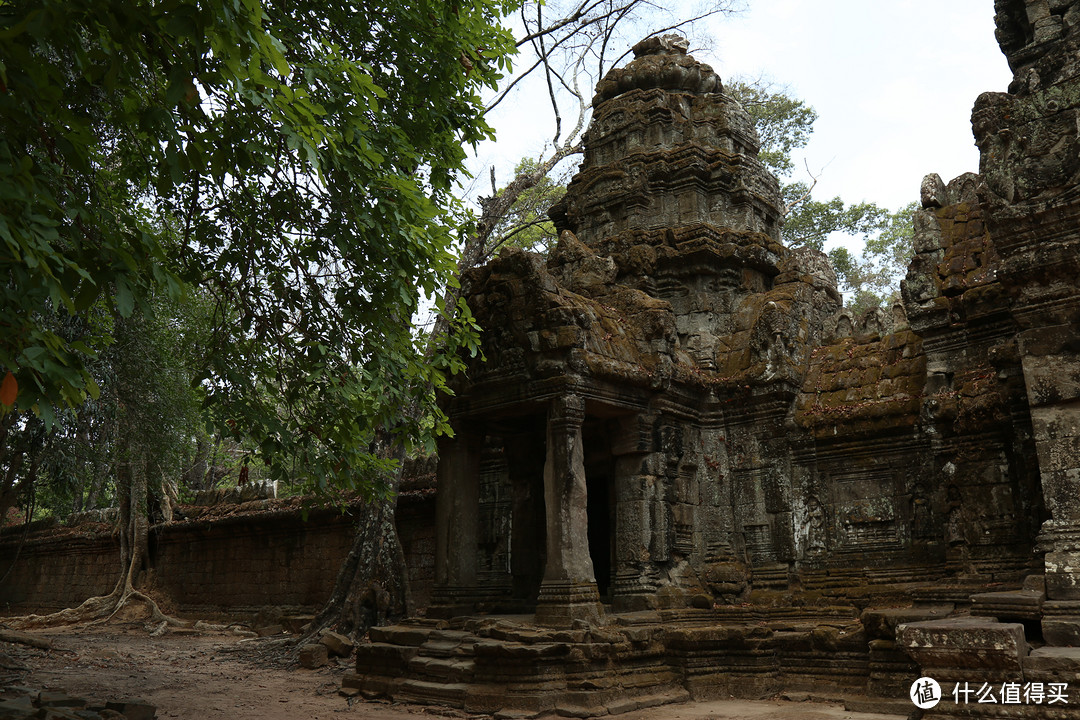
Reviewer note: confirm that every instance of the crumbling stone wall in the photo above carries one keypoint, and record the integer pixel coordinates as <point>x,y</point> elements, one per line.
<point>249,561</point>
<point>52,573</point>
<point>237,563</point>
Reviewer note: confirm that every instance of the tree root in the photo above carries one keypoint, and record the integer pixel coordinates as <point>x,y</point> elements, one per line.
<point>101,610</point>
<point>19,638</point>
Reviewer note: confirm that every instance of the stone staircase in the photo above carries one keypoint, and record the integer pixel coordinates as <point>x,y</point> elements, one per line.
<point>512,669</point>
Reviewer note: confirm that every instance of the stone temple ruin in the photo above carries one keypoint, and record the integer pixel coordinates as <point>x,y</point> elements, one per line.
<point>684,470</point>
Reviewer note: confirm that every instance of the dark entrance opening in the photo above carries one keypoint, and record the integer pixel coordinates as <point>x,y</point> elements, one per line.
<point>600,509</point>
<point>526,447</point>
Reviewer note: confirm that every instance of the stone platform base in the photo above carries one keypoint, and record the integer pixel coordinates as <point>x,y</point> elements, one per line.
<point>510,666</point>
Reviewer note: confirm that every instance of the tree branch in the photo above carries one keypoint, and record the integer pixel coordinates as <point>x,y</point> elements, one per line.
<point>802,198</point>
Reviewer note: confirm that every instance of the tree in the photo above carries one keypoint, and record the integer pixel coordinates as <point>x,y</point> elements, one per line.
<point>294,161</point>
<point>784,125</point>
<point>874,277</point>
<point>526,224</point>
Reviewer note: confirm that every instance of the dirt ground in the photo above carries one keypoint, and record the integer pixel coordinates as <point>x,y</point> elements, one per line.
<point>215,674</point>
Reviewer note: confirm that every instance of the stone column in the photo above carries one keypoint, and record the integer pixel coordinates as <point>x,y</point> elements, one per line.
<point>456,527</point>
<point>568,592</point>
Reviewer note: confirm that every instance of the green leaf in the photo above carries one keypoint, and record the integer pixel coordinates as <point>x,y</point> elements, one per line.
<point>125,301</point>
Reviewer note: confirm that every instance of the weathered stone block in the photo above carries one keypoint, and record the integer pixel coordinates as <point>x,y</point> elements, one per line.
<point>956,647</point>
<point>1054,664</point>
<point>313,655</point>
<point>133,709</point>
<point>59,699</point>
<point>933,192</point>
<point>337,644</point>
<point>296,623</point>
<point>1061,623</point>
<point>1063,574</point>
<point>61,713</point>
<point>1016,605</point>
<point>399,635</point>
<point>17,709</point>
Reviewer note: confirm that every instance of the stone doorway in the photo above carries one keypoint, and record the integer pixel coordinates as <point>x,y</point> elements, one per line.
<point>599,480</point>
<point>525,451</point>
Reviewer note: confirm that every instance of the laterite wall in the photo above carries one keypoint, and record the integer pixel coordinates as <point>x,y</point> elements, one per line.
<point>234,564</point>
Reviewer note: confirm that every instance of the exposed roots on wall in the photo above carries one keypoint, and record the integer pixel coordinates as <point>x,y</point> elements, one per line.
<point>123,604</point>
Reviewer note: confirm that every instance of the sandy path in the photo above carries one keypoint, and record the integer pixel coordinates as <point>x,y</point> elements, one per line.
<point>216,675</point>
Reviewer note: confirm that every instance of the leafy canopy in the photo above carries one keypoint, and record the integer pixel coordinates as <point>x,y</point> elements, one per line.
<point>292,160</point>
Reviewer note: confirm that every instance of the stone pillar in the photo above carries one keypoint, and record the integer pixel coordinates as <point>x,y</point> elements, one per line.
<point>1055,416</point>
<point>638,468</point>
<point>568,591</point>
<point>456,527</point>
<point>1052,369</point>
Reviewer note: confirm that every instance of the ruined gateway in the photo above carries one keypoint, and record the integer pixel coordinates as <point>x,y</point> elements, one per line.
<point>684,470</point>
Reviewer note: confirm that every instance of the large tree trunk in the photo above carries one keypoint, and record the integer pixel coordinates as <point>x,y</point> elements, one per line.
<point>372,586</point>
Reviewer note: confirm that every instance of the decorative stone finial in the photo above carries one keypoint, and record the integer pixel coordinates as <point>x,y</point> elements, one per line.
<point>664,45</point>
<point>659,62</point>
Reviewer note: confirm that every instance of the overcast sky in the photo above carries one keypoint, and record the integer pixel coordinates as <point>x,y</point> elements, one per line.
<point>893,82</point>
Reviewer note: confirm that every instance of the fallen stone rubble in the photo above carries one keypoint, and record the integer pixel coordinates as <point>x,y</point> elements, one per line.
<point>22,703</point>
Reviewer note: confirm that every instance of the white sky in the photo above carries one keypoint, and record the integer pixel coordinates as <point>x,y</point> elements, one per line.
<point>893,82</point>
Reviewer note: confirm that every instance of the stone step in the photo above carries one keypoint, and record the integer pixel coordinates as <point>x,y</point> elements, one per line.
<point>442,669</point>
<point>451,635</point>
<point>955,648</point>
<point>400,634</point>
<point>384,658</point>
<point>1011,605</point>
<point>425,692</point>
<point>1055,664</point>
<point>448,643</point>
<point>446,648</point>
<point>630,703</point>
<point>880,623</point>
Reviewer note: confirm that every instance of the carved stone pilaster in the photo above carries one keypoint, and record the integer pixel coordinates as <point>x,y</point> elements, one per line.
<point>568,591</point>
<point>456,522</point>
